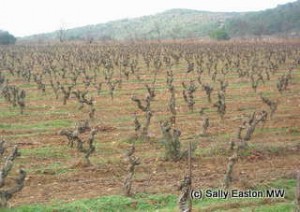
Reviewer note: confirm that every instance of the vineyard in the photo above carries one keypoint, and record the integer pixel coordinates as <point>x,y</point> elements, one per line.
<point>120,120</point>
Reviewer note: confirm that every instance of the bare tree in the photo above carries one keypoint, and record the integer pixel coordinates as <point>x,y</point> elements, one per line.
<point>6,194</point>
<point>204,122</point>
<point>143,134</point>
<point>221,104</point>
<point>185,201</point>
<point>61,34</point>
<point>297,194</point>
<point>272,104</point>
<point>133,162</point>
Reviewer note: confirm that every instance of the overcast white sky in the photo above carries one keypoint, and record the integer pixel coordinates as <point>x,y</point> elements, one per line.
<point>26,17</point>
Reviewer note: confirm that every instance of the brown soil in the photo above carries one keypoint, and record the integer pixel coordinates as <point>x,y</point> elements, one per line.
<point>57,175</point>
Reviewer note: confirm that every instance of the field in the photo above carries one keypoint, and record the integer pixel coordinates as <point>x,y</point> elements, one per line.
<point>103,84</point>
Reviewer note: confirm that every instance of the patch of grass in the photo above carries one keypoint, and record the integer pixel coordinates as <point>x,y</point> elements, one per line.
<point>239,85</point>
<point>29,135</point>
<point>216,148</point>
<point>271,130</point>
<point>57,112</point>
<point>46,152</point>
<point>229,204</point>
<point>287,184</point>
<point>124,118</point>
<point>5,126</point>
<point>10,113</point>
<point>213,150</point>
<point>131,140</point>
<point>165,202</point>
<point>248,150</point>
<point>145,202</point>
<point>294,131</point>
<point>56,168</point>
<point>107,203</point>
<point>279,207</point>
<point>225,135</point>
<point>27,85</point>
<point>154,202</point>
<point>266,148</point>
<point>55,124</point>
<point>38,126</point>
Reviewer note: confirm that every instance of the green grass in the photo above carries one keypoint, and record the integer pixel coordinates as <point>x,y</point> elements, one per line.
<point>159,202</point>
<point>287,184</point>
<point>124,118</point>
<point>271,130</point>
<point>56,168</point>
<point>264,148</point>
<point>10,113</point>
<point>239,85</point>
<point>53,153</point>
<point>140,202</point>
<point>168,202</point>
<point>47,152</point>
<point>293,131</point>
<point>37,133</point>
<point>280,207</point>
<point>57,112</point>
<point>213,150</point>
<point>27,85</point>
<point>38,126</point>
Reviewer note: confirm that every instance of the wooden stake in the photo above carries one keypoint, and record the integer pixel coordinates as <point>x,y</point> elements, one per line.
<point>190,175</point>
<point>297,195</point>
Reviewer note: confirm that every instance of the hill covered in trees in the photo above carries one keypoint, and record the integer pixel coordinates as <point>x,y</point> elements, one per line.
<point>171,24</point>
<point>6,38</point>
<point>185,23</point>
<point>283,20</point>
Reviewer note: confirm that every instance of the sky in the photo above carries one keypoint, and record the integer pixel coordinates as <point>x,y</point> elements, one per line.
<point>27,17</point>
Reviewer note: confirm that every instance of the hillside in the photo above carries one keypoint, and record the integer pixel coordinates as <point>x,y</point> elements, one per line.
<point>171,24</point>
<point>185,23</point>
<point>283,20</point>
<point>175,23</point>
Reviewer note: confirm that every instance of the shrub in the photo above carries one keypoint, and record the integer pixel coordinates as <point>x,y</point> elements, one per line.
<point>219,34</point>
